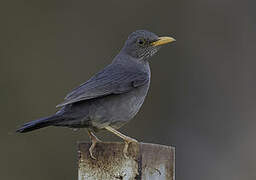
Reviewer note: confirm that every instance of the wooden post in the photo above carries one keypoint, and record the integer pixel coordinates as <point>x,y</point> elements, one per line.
<point>145,162</point>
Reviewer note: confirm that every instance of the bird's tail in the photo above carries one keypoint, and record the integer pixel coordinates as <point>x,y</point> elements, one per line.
<point>39,123</point>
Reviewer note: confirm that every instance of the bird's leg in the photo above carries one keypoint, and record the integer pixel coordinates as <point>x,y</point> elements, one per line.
<point>94,140</point>
<point>127,140</point>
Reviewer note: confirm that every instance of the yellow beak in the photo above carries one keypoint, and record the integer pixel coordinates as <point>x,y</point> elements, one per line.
<point>162,40</point>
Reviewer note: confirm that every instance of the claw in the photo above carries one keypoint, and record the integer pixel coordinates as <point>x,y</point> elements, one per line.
<point>127,141</point>
<point>94,140</point>
<point>125,150</point>
<point>91,150</point>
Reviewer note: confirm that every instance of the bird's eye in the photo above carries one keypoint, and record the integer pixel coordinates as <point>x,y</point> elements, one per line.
<point>141,41</point>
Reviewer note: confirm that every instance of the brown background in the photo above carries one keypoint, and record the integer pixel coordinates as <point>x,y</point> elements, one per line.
<point>202,99</point>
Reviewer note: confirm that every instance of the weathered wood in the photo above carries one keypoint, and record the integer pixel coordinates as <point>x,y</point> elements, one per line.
<point>145,162</point>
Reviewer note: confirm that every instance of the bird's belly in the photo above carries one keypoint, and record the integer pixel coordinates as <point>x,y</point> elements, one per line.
<point>116,110</point>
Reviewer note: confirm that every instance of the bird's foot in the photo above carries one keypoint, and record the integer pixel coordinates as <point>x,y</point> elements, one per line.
<point>91,149</point>
<point>94,140</point>
<point>127,141</point>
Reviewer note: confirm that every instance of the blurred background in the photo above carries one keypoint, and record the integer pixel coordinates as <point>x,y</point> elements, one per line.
<point>202,97</point>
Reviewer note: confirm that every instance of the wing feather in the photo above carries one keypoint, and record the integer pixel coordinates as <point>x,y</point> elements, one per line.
<point>114,79</point>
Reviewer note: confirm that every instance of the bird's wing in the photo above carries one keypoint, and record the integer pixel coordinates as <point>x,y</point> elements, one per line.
<point>114,79</point>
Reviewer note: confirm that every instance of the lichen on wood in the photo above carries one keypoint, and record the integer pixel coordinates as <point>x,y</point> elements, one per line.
<point>145,161</point>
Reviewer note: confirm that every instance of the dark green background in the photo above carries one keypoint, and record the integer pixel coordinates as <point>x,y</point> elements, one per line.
<point>201,100</point>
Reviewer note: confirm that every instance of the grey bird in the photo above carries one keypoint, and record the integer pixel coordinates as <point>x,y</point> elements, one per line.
<point>113,96</point>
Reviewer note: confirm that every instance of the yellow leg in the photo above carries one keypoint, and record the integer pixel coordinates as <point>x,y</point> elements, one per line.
<point>94,140</point>
<point>126,139</point>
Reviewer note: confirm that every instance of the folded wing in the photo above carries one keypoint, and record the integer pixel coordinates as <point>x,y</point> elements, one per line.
<point>114,79</point>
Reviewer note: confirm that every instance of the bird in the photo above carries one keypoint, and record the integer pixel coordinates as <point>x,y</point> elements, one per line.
<point>113,96</point>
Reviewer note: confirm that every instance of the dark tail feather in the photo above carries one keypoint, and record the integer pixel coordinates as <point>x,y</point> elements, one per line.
<point>37,124</point>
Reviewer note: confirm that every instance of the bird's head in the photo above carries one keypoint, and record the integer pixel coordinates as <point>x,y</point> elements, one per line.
<point>142,44</point>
